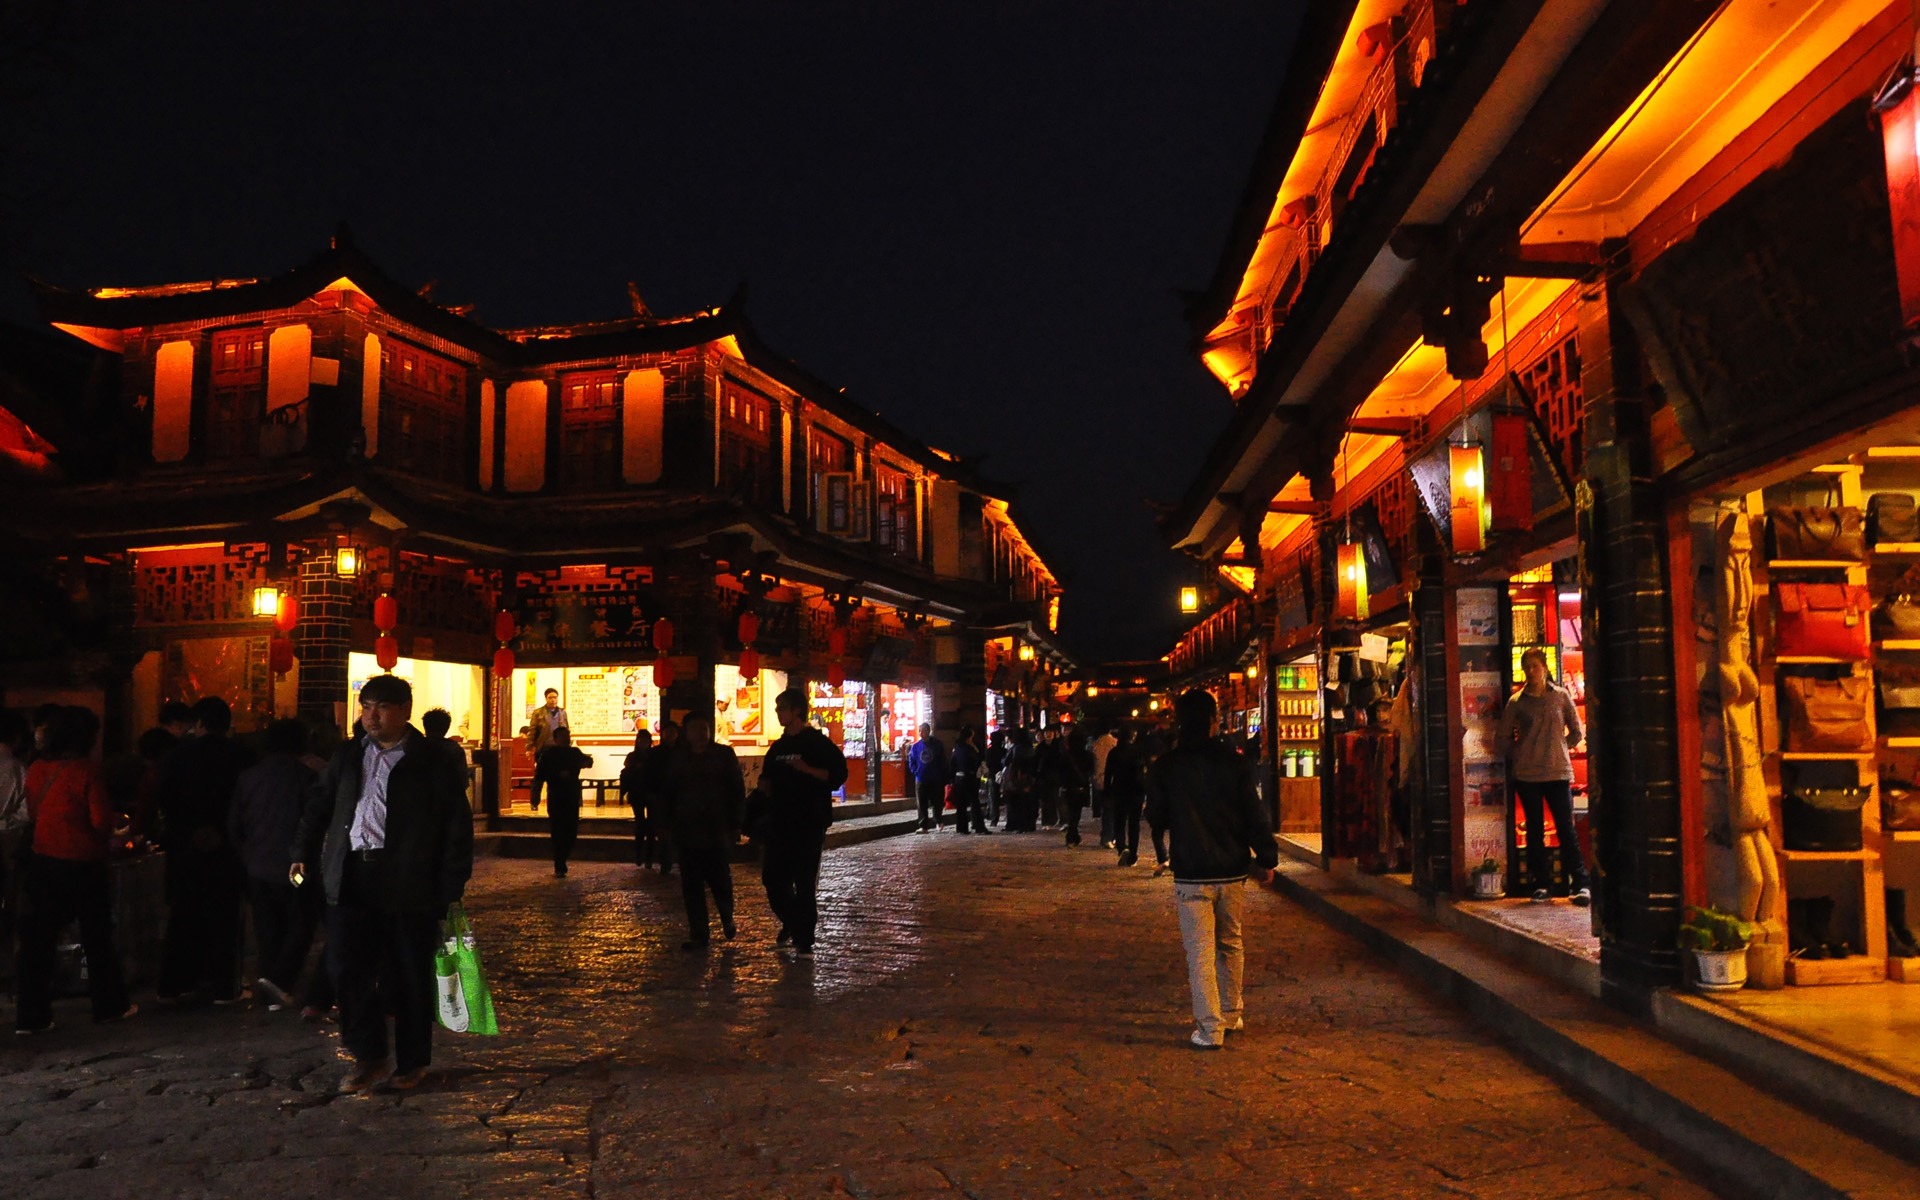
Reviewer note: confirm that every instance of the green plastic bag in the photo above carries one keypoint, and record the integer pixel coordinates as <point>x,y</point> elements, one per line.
<point>465,1004</point>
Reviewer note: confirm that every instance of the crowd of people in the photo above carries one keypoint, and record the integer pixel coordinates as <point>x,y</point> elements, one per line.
<point>359,846</point>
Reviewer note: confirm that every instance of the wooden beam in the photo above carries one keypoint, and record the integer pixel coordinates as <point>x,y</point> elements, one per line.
<point>1555,260</point>
<point>1381,426</point>
<point>1295,508</point>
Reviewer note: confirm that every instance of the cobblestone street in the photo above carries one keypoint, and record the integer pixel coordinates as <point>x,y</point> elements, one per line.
<point>987,1017</point>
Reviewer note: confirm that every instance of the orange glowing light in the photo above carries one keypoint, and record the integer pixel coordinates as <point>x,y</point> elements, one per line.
<point>1350,600</point>
<point>266,601</point>
<point>1467,476</point>
<point>1189,599</point>
<point>1026,653</point>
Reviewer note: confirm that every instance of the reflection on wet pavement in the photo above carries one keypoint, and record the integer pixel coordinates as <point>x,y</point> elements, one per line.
<point>988,1017</point>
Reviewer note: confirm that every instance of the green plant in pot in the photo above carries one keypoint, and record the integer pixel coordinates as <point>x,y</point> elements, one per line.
<point>1489,879</point>
<point>1718,941</point>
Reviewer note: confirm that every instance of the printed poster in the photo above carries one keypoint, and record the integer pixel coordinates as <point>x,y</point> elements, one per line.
<point>1477,616</point>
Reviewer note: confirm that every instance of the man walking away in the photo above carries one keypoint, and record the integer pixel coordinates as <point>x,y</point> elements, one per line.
<point>633,790</point>
<point>996,763</point>
<point>706,798</point>
<point>654,779</point>
<point>1126,788</point>
<point>803,769</point>
<point>966,782</point>
<point>435,724</point>
<point>388,825</point>
<point>1049,764</point>
<point>205,881</point>
<point>1102,805</point>
<point>1203,792</point>
<point>927,763</point>
<point>262,823</point>
<point>1077,768</point>
<point>557,770</point>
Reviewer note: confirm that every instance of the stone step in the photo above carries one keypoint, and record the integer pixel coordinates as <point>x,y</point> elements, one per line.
<point>1747,1134</point>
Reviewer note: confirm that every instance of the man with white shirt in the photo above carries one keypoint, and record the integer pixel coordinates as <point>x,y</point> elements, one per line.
<point>389,825</point>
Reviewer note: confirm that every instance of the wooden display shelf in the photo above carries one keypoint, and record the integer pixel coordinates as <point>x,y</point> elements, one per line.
<point>1896,549</point>
<point>1903,836</point>
<point>1822,756</point>
<point>1857,969</point>
<point>1903,970</point>
<point>1893,452</point>
<point>1901,743</point>
<point>1898,644</point>
<point>1837,469</point>
<point>1812,564</point>
<point>1794,856</point>
<point>1819,659</point>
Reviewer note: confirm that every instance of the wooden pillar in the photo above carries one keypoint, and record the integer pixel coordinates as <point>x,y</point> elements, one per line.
<point>1430,797</point>
<point>1634,787</point>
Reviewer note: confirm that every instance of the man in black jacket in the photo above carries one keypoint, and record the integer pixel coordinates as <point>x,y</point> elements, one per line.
<point>1204,793</point>
<point>389,825</point>
<point>205,881</point>
<point>802,770</point>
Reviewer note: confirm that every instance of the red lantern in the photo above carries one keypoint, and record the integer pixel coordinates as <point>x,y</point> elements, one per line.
<point>836,674</point>
<point>749,628</point>
<point>280,655</point>
<point>386,613</point>
<point>750,663</point>
<point>663,673</point>
<point>386,651</point>
<point>287,615</point>
<point>502,662</point>
<point>1510,474</point>
<point>663,635</point>
<point>504,627</point>
<point>837,641</point>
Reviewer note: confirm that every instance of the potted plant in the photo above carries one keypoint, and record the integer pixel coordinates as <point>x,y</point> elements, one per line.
<point>1718,940</point>
<point>1489,880</point>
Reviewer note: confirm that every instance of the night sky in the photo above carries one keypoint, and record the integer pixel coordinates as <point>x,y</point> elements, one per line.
<point>975,217</point>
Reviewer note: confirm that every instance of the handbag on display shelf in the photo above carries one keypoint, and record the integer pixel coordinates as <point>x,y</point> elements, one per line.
<point>1827,534</point>
<point>1900,790</point>
<point>1892,517</point>
<point>1828,716</point>
<point>1822,620</point>
<point>1897,617</point>
<point>1822,818</point>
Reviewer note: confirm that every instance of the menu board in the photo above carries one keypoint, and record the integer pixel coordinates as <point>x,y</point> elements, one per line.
<point>608,701</point>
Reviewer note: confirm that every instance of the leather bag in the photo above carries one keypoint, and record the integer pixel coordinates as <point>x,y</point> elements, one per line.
<point>1897,617</point>
<point>1828,716</point>
<point>1892,517</point>
<point>1822,620</point>
<point>1822,818</point>
<point>1899,685</point>
<point>1824,534</point>
<point>1900,790</point>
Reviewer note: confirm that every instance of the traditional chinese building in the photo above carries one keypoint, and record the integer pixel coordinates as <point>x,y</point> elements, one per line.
<point>295,482</point>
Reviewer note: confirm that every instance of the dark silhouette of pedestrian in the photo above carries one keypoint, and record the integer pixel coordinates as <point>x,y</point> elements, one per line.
<point>966,783</point>
<point>704,804</point>
<point>205,881</point>
<point>803,769</point>
<point>557,770</point>
<point>633,790</point>
<point>996,758</point>
<point>928,764</point>
<point>1126,789</point>
<point>659,762</point>
<point>267,802</point>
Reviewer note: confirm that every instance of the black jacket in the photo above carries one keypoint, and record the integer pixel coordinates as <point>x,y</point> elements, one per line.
<point>705,797</point>
<point>800,807</point>
<point>195,794</point>
<point>557,771</point>
<point>429,844</point>
<point>1205,795</point>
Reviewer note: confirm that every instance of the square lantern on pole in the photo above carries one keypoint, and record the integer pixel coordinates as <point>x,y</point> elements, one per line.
<point>1467,498</point>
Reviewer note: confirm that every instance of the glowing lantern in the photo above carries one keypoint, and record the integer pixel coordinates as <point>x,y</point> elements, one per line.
<point>502,663</point>
<point>1092,691</point>
<point>386,613</point>
<point>266,601</point>
<point>1026,653</point>
<point>750,663</point>
<point>663,673</point>
<point>1350,598</point>
<point>346,561</point>
<point>749,628</point>
<point>504,627</point>
<point>1467,481</point>
<point>386,651</point>
<point>1253,668</point>
<point>1899,107</point>
<point>1189,599</point>
<point>837,641</point>
<point>287,615</point>
<point>280,655</point>
<point>663,636</point>
<point>836,674</point>
<point>1510,486</point>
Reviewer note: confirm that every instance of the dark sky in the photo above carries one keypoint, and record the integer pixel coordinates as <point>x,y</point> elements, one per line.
<point>973,216</point>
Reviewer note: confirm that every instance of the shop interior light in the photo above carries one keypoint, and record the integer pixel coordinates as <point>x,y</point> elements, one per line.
<point>266,601</point>
<point>1153,706</point>
<point>1092,691</point>
<point>1189,599</point>
<point>1253,670</point>
<point>1350,601</point>
<point>346,561</point>
<point>1026,653</point>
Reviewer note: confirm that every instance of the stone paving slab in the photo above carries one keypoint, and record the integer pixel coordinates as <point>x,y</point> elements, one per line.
<point>986,1017</point>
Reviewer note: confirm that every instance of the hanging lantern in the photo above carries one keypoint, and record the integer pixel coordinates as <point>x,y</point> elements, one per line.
<point>837,641</point>
<point>836,675</point>
<point>347,560</point>
<point>280,655</point>
<point>750,663</point>
<point>1899,107</point>
<point>266,601</point>
<point>287,615</point>
<point>1189,599</point>
<point>1510,471</point>
<point>1467,481</point>
<point>386,613</point>
<point>749,628</point>
<point>663,635</point>
<point>1025,652</point>
<point>1350,597</point>
<point>502,663</point>
<point>504,627</point>
<point>663,673</point>
<point>386,651</point>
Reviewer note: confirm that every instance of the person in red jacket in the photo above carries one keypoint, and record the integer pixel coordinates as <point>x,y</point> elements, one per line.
<point>66,875</point>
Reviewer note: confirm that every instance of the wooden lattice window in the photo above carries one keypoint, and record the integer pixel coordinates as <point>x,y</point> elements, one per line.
<point>589,430</point>
<point>746,445</point>
<point>897,515</point>
<point>237,397</point>
<point>1553,383</point>
<point>422,424</point>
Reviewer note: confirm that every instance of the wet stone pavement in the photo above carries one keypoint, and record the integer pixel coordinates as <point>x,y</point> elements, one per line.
<point>986,1017</point>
